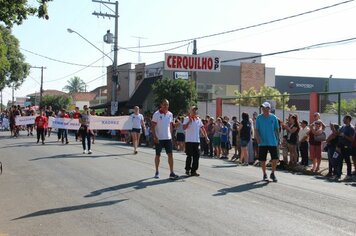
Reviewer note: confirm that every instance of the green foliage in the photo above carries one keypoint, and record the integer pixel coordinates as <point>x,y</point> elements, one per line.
<point>13,68</point>
<point>74,85</point>
<point>16,11</point>
<point>180,93</point>
<point>56,101</point>
<point>347,107</point>
<point>254,98</point>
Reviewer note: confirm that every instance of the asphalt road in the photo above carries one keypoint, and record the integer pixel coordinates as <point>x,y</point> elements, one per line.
<point>54,189</point>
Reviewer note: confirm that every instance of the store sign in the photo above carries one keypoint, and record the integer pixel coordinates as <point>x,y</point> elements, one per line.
<point>181,75</point>
<point>181,62</point>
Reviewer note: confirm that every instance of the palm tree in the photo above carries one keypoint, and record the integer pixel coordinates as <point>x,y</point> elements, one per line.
<point>75,84</point>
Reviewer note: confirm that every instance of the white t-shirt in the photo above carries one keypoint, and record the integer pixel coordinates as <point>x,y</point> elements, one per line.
<point>192,131</point>
<point>303,132</point>
<point>163,124</point>
<point>136,120</point>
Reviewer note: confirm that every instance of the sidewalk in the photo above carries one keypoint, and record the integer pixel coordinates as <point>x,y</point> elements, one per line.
<point>324,168</point>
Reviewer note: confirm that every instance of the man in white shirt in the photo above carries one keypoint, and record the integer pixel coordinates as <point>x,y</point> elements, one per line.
<point>193,125</point>
<point>303,142</point>
<point>162,127</point>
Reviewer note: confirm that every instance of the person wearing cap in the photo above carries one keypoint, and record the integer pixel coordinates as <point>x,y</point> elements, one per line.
<point>346,135</point>
<point>192,126</point>
<point>162,128</point>
<point>266,132</point>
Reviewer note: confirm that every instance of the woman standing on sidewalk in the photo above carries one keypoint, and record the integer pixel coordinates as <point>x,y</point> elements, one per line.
<point>332,142</point>
<point>292,138</point>
<point>315,146</point>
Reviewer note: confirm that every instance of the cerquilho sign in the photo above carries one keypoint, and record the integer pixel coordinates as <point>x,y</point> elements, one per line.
<point>181,62</point>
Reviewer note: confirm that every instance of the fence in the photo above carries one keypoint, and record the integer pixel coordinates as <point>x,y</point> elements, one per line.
<point>332,106</point>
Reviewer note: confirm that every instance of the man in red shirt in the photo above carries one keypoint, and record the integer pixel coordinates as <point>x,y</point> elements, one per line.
<point>76,115</point>
<point>41,124</point>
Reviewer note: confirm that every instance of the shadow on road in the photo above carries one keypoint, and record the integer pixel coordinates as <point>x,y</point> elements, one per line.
<point>225,166</point>
<point>79,156</point>
<point>139,184</point>
<point>241,188</point>
<point>70,208</point>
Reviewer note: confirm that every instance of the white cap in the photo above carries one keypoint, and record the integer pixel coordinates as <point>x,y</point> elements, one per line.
<point>266,105</point>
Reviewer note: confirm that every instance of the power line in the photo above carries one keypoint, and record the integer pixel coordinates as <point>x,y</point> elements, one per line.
<point>314,46</point>
<point>56,60</point>
<point>160,51</point>
<point>63,77</point>
<point>247,27</point>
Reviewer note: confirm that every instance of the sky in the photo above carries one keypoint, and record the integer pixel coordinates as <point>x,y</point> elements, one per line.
<point>161,21</point>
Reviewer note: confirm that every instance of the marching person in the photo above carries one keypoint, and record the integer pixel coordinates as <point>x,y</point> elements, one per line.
<point>84,130</point>
<point>192,126</point>
<point>137,124</point>
<point>41,124</point>
<point>162,128</point>
<point>266,132</point>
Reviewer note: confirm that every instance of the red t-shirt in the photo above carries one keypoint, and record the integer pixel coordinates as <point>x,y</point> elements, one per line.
<point>41,122</point>
<point>76,115</point>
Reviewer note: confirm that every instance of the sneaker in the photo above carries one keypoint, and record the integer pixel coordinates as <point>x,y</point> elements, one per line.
<point>265,178</point>
<point>173,176</point>
<point>347,178</point>
<point>273,177</point>
<point>135,152</point>
<point>156,175</point>
<point>43,142</point>
<point>245,164</point>
<point>187,172</point>
<point>195,174</point>
<point>84,151</point>
<point>89,152</point>
<point>38,141</point>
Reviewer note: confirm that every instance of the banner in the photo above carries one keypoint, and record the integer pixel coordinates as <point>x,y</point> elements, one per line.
<point>25,120</point>
<point>182,62</point>
<point>110,122</point>
<point>64,123</point>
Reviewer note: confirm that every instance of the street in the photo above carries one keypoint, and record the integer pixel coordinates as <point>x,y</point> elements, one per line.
<point>54,189</point>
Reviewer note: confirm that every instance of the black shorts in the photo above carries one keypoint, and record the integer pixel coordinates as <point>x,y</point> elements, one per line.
<point>180,137</point>
<point>166,144</point>
<point>224,145</point>
<point>136,130</point>
<point>263,150</point>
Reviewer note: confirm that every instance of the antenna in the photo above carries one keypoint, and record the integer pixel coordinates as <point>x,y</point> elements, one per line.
<point>139,46</point>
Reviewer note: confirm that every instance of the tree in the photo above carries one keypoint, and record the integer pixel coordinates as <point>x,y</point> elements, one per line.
<point>180,93</point>
<point>13,68</point>
<point>56,101</point>
<point>14,12</point>
<point>74,85</point>
<point>347,107</point>
<point>254,98</point>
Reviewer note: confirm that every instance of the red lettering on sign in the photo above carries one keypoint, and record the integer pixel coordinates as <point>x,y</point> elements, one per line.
<point>185,62</point>
<point>210,64</point>
<point>169,63</point>
<point>203,63</point>
<point>179,62</point>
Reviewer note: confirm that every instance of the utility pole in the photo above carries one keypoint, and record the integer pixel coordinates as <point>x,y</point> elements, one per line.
<point>194,73</point>
<point>41,88</point>
<point>114,75</point>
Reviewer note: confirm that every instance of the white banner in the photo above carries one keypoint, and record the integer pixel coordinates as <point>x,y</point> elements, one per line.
<point>64,123</point>
<point>25,120</point>
<point>110,122</point>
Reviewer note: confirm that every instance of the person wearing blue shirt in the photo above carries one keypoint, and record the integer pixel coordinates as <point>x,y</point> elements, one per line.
<point>266,132</point>
<point>346,134</point>
<point>224,137</point>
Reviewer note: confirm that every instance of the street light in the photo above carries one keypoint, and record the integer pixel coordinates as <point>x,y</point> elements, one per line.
<point>73,31</point>
<point>114,73</point>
